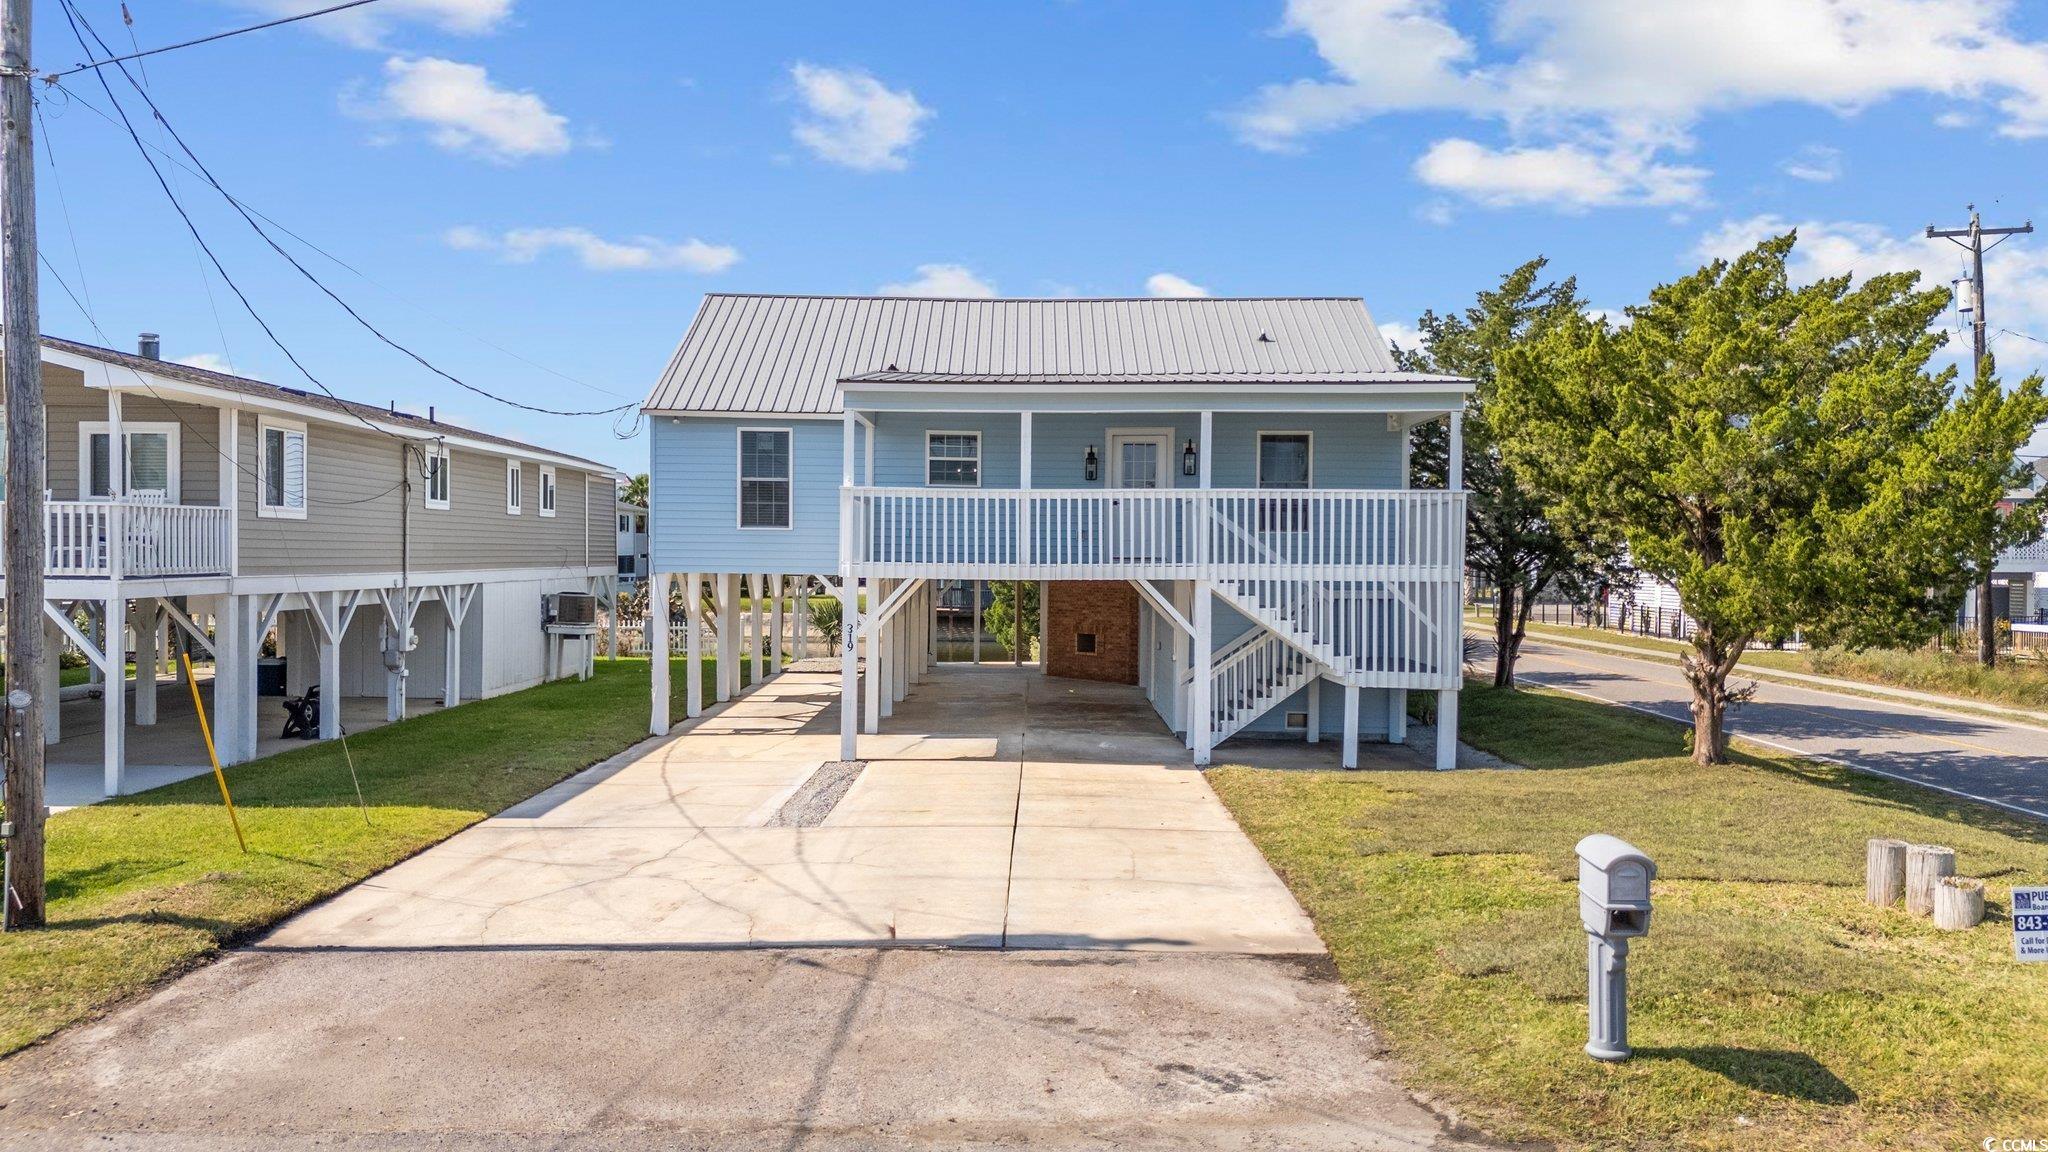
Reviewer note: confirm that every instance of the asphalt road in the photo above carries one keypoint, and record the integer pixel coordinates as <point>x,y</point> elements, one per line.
<point>1985,759</point>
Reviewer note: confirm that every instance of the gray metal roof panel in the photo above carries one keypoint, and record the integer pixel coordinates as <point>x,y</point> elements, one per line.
<point>767,353</point>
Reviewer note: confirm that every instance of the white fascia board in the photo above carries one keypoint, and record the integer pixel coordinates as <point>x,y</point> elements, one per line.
<point>737,414</point>
<point>1435,399</point>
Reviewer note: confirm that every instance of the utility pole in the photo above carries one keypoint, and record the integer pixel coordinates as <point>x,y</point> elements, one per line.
<point>20,327</point>
<point>1972,239</point>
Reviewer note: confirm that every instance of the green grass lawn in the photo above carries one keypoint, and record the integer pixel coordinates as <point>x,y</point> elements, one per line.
<point>2022,684</point>
<point>146,886</point>
<point>1771,1008</point>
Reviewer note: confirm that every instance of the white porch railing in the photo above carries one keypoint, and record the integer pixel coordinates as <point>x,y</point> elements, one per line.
<point>85,538</point>
<point>1158,534</point>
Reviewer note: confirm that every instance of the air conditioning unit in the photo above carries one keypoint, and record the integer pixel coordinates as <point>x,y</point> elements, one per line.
<point>570,609</point>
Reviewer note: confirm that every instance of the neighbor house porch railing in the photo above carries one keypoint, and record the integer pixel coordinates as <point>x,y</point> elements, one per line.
<point>86,538</point>
<point>1154,534</point>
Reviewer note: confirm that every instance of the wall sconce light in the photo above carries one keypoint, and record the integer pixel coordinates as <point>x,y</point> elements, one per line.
<point>1090,466</point>
<point>1187,459</point>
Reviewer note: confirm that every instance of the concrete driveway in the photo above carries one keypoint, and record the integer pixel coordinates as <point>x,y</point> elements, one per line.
<point>587,972</point>
<point>999,809</point>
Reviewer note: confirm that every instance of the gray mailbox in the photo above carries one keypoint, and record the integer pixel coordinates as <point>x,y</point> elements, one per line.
<point>1614,908</point>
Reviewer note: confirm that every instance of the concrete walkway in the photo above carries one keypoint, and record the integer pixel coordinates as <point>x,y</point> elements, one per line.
<point>1000,808</point>
<point>430,1008</point>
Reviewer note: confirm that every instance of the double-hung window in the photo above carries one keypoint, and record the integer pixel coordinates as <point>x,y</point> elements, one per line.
<point>1285,461</point>
<point>439,466</point>
<point>952,459</point>
<point>281,468</point>
<point>514,485</point>
<point>151,460</point>
<point>764,477</point>
<point>547,490</point>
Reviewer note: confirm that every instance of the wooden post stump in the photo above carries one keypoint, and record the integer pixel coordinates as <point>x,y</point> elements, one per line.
<point>1958,903</point>
<point>1884,872</point>
<point>1926,864</point>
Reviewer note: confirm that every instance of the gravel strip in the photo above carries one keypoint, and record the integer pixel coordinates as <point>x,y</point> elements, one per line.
<point>819,795</point>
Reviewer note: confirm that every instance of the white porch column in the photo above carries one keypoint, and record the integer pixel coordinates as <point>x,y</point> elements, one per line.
<point>247,704</point>
<point>876,704</point>
<point>801,648</point>
<point>657,651</point>
<point>54,641</point>
<point>757,583</point>
<point>849,658</point>
<point>1204,466</point>
<point>899,652</point>
<point>1456,480</point>
<point>1397,716</point>
<point>328,605</point>
<point>114,700</point>
<point>149,645</point>
<point>1446,729</point>
<point>775,624</point>
<point>1184,603</point>
<point>1044,607</point>
<point>611,615</point>
<point>1315,710</point>
<point>1349,758</point>
<point>451,647</point>
<point>1204,647</point>
<point>974,618</point>
<point>727,609</point>
<point>693,644</point>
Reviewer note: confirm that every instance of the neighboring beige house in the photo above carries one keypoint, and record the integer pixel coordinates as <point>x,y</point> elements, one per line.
<point>247,507</point>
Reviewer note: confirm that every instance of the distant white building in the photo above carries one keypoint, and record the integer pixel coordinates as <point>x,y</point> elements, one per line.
<point>632,543</point>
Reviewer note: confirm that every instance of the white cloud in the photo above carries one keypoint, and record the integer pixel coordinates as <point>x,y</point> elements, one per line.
<point>1626,83</point>
<point>635,254</point>
<point>209,361</point>
<point>1567,176</point>
<point>2017,276</point>
<point>855,120</point>
<point>1408,337</point>
<point>367,26</point>
<point>955,280</point>
<point>1815,163</point>
<point>464,111</point>
<point>1167,284</point>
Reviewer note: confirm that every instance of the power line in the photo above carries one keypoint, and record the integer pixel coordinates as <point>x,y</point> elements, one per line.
<point>73,17</point>
<point>207,175</point>
<point>316,249</point>
<point>95,65</point>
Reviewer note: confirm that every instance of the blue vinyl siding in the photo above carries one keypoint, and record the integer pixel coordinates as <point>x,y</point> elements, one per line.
<point>694,520</point>
<point>693,515</point>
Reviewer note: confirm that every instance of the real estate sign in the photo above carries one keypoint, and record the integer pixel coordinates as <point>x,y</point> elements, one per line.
<point>2030,924</point>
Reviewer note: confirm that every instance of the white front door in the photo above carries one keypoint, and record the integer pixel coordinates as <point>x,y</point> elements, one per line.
<point>1137,460</point>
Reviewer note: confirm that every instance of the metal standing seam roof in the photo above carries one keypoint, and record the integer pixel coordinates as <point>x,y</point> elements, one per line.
<point>765,353</point>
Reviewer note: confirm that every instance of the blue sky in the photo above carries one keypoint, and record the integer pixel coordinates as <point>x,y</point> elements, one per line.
<point>535,193</point>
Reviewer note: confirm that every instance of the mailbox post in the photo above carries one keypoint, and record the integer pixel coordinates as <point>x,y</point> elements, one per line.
<point>1614,907</point>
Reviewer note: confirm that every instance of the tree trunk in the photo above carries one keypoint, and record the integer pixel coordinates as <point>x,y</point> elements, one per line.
<point>1926,864</point>
<point>1958,903</point>
<point>1504,619</point>
<point>1707,667</point>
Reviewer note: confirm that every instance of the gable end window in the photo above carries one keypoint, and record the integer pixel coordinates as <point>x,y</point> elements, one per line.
<point>513,492</point>
<point>764,478</point>
<point>281,469</point>
<point>547,490</point>
<point>438,478</point>
<point>952,459</point>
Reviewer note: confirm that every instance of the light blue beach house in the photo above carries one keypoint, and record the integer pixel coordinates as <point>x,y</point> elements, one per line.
<point>1212,496</point>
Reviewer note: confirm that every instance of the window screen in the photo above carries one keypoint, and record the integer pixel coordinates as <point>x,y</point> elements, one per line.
<point>764,478</point>
<point>1283,460</point>
<point>953,458</point>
